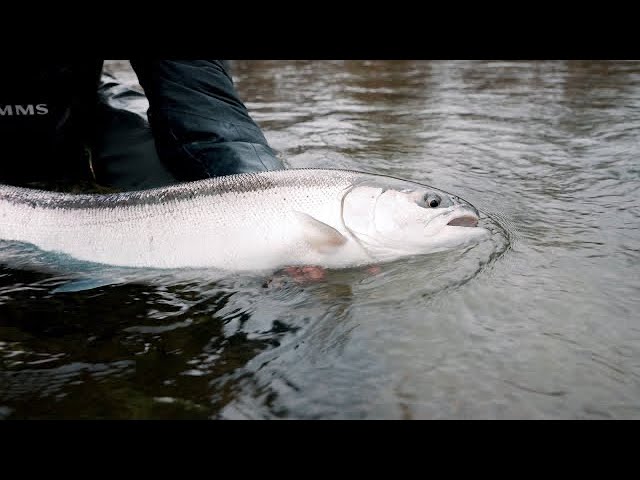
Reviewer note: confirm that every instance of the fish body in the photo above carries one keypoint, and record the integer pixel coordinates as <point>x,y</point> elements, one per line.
<point>245,222</point>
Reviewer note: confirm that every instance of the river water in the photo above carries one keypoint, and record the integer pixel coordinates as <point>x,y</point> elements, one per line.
<point>540,321</point>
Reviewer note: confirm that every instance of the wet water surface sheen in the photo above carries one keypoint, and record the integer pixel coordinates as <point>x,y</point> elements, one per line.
<point>538,321</point>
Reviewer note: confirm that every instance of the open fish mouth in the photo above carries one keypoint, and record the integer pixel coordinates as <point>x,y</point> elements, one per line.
<point>464,221</point>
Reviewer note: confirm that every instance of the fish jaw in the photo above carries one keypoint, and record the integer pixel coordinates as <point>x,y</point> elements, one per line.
<point>460,228</point>
<point>464,221</point>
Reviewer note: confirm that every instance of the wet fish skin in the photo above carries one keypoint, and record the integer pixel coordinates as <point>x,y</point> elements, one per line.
<point>244,222</point>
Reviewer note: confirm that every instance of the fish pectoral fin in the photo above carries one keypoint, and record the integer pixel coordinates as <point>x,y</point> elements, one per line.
<point>320,236</point>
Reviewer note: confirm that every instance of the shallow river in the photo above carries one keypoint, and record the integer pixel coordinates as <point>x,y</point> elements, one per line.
<point>540,321</point>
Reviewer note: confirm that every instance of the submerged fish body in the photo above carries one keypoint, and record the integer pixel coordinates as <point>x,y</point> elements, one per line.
<point>245,222</point>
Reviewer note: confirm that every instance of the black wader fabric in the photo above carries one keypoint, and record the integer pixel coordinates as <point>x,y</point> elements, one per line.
<point>66,121</point>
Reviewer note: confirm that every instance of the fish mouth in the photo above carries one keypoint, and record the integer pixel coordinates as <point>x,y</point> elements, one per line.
<point>465,220</point>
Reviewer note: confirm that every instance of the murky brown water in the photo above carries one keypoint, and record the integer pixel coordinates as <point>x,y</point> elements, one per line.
<point>540,322</point>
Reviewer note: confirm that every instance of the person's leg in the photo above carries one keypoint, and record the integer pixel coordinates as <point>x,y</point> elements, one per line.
<point>201,127</point>
<point>124,155</point>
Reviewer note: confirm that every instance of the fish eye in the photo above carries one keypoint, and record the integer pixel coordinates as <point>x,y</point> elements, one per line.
<point>432,200</point>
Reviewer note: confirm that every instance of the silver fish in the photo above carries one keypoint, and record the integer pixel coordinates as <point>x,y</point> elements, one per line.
<point>245,222</point>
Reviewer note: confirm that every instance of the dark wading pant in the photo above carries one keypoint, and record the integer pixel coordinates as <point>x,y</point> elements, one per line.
<point>124,154</point>
<point>98,129</point>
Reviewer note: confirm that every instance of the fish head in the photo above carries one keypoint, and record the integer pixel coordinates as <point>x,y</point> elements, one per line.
<point>392,218</point>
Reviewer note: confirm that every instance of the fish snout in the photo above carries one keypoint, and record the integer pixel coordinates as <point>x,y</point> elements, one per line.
<point>463,215</point>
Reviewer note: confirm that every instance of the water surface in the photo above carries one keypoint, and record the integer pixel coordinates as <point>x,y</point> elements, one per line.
<point>541,321</point>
